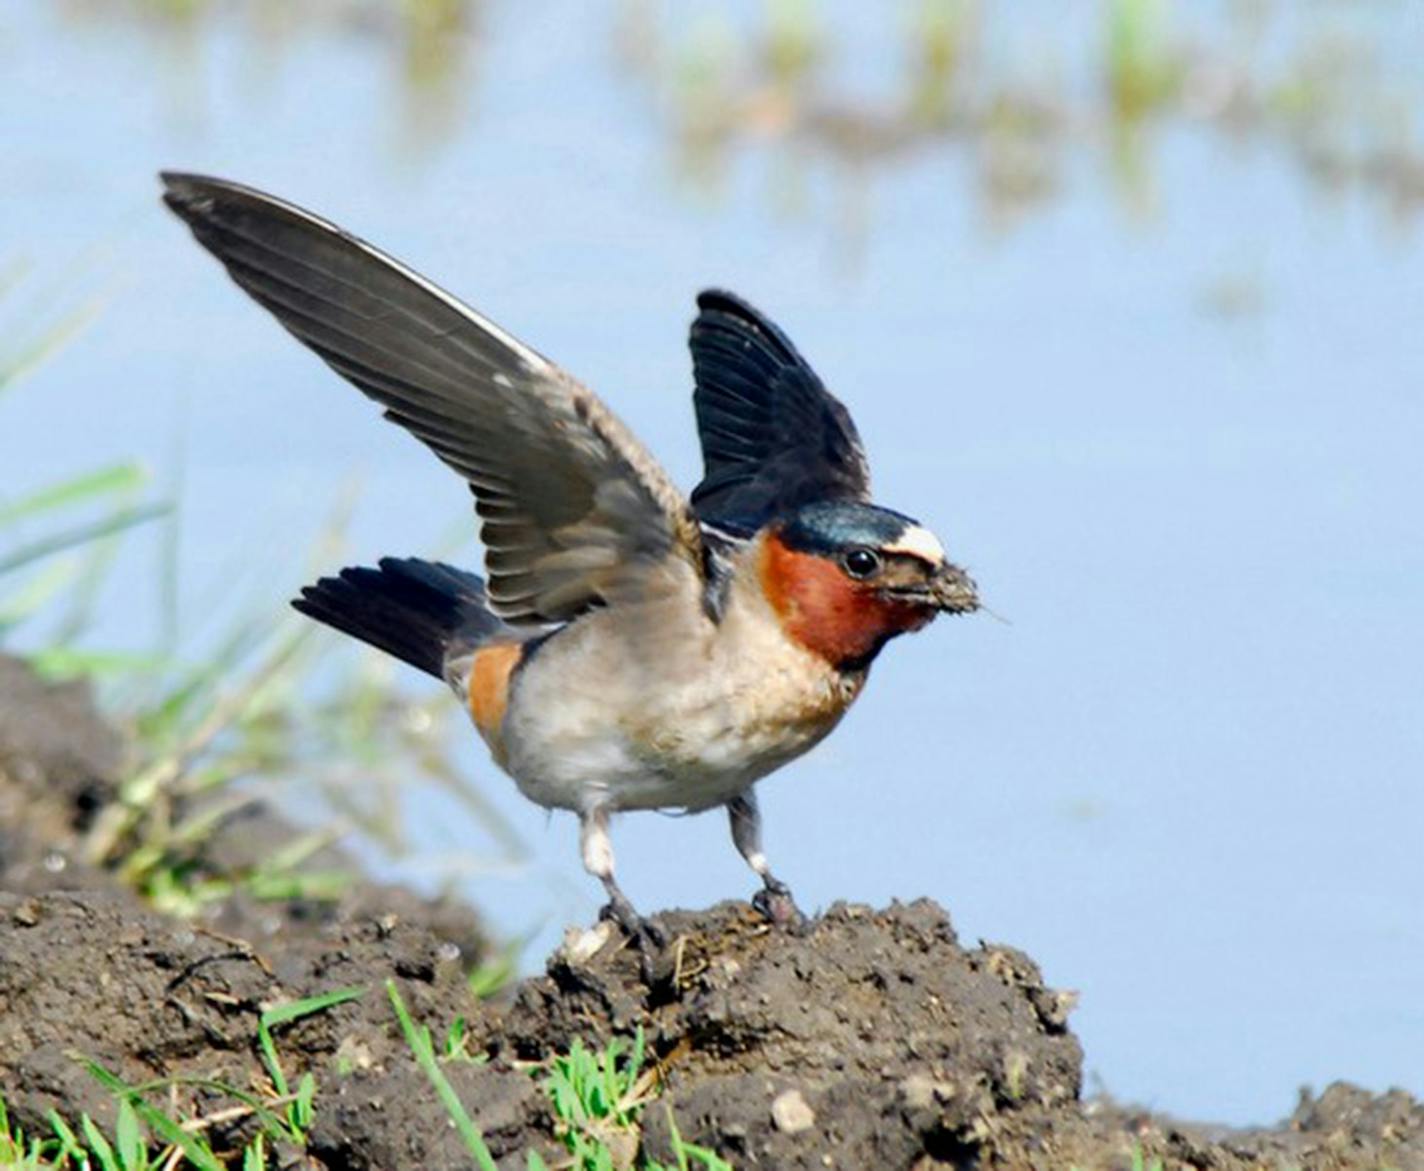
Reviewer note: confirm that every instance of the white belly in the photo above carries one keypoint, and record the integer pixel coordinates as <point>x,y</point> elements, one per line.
<point>605,714</point>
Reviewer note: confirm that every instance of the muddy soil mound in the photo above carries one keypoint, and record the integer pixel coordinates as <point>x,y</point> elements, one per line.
<point>870,1039</point>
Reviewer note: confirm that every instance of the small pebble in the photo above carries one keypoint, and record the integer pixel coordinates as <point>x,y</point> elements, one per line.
<point>791,1114</point>
<point>581,946</point>
<point>353,1054</point>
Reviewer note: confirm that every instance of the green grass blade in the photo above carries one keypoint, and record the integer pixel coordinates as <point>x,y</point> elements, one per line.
<point>98,1144</point>
<point>14,365</point>
<point>612,1088</point>
<point>709,1159</point>
<point>270,1060</point>
<point>269,1119</point>
<point>42,588</point>
<point>81,535</point>
<point>69,1144</point>
<point>99,558</point>
<point>286,1013</point>
<point>306,1094</point>
<point>128,1139</point>
<point>418,1038</point>
<point>198,1153</point>
<point>111,1082</point>
<point>293,1010</point>
<point>69,663</point>
<point>114,480</point>
<point>319,886</point>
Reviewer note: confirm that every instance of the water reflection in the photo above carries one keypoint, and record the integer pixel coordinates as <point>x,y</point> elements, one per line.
<point>1316,89</point>
<point>1017,95</point>
<point>430,47</point>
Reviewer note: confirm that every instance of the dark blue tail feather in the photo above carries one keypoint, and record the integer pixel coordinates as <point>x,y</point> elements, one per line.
<point>418,611</point>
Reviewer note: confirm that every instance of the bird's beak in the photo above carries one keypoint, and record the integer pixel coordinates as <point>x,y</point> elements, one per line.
<point>954,590</point>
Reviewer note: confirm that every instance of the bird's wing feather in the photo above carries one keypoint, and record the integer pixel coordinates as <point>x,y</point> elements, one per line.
<point>773,438</point>
<point>573,508</point>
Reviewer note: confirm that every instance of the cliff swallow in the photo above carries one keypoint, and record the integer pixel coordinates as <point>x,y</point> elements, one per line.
<point>630,647</point>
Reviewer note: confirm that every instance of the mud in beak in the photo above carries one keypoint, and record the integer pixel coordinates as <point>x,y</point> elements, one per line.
<point>953,590</point>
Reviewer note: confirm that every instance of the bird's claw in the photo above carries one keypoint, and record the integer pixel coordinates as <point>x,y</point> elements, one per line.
<point>775,903</point>
<point>646,933</point>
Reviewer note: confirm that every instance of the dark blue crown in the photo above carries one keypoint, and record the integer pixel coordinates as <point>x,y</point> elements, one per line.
<point>832,526</point>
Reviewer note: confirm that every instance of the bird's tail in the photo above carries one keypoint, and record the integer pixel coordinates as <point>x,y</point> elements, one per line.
<point>422,612</point>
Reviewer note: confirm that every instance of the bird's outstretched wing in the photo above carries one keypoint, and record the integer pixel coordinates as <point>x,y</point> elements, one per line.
<point>773,437</point>
<point>574,508</point>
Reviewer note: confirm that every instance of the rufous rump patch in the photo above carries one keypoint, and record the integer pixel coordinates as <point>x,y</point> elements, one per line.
<point>828,613</point>
<point>488,689</point>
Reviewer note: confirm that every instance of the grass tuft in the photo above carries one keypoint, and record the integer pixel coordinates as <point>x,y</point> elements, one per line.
<point>598,1097</point>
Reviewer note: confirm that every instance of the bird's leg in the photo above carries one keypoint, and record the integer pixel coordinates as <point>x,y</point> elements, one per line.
<point>774,899</point>
<point>597,850</point>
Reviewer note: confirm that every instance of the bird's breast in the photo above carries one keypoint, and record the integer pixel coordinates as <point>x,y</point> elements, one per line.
<point>667,711</point>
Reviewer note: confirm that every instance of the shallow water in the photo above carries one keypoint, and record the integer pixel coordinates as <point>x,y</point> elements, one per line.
<point>1170,415</point>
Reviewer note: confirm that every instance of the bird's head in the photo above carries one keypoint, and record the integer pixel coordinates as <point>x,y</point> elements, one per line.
<point>845,577</point>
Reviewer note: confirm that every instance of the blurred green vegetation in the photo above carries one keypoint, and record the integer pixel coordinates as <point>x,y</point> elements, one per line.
<point>1144,69</point>
<point>58,539</point>
<point>215,720</point>
<point>430,47</point>
<point>790,81</point>
<point>1017,93</point>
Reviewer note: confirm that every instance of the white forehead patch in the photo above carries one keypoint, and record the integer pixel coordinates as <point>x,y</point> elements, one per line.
<point>919,542</point>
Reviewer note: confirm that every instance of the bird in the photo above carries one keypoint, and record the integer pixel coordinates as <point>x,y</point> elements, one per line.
<point>630,647</point>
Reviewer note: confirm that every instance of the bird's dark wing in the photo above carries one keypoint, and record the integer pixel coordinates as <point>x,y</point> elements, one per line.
<point>574,508</point>
<point>773,437</point>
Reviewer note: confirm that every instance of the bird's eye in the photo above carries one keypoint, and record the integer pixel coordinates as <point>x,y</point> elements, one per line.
<point>861,562</point>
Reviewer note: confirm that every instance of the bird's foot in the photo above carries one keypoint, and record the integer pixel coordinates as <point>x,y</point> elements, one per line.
<point>619,910</point>
<point>648,935</point>
<point>775,903</point>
